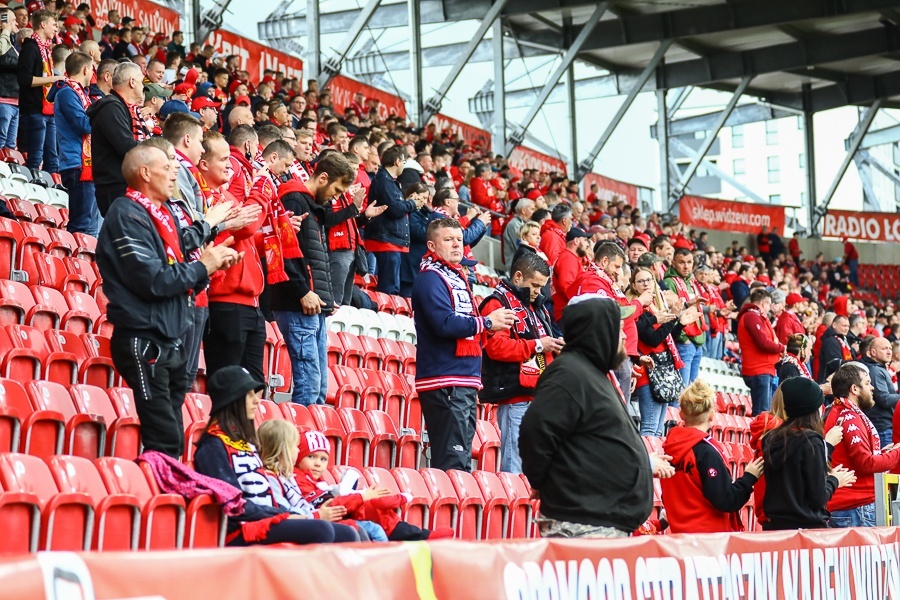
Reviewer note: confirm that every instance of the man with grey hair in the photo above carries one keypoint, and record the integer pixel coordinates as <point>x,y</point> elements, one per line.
<point>524,209</point>
<point>116,128</point>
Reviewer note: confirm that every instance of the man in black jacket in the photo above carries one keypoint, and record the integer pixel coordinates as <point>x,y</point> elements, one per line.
<point>141,257</point>
<point>580,449</point>
<point>301,304</point>
<point>835,349</point>
<point>35,75</point>
<point>114,131</point>
<point>878,355</point>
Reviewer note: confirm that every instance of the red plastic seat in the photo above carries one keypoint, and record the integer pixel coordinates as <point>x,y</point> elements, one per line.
<point>31,351</point>
<point>93,370</point>
<point>385,304</point>
<point>10,237</point>
<point>405,449</point>
<point>520,507</point>
<point>400,306</point>
<point>123,434</point>
<point>347,388</point>
<point>81,269</point>
<point>269,350</point>
<point>394,388</point>
<point>87,246</point>
<point>18,307</point>
<point>197,408</point>
<point>486,446</point>
<point>418,509</point>
<point>123,401</point>
<point>357,438</point>
<point>117,517</point>
<point>471,505</point>
<point>392,355</point>
<point>162,515</point>
<point>267,410</point>
<point>373,354</point>
<point>496,506</point>
<point>25,429</point>
<point>22,209</point>
<point>85,433</point>
<point>299,415</point>
<point>409,357</point>
<point>444,501</point>
<point>35,241</point>
<point>353,350</point>
<point>64,243</point>
<point>335,348</point>
<point>329,423</point>
<point>71,318</point>
<point>98,361</point>
<point>94,320</point>
<point>52,272</point>
<point>66,517</point>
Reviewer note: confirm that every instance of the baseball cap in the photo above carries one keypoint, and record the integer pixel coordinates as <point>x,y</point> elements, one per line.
<point>230,384</point>
<point>625,310</point>
<point>154,90</point>
<point>648,259</point>
<point>641,238</point>
<point>468,262</point>
<point>72,20</point>
<point>245,100</point>
<point>174,106</point>
<point>204,102</point>
<point>575,233</point>
<point>793,299</point>
<point>185,88</point>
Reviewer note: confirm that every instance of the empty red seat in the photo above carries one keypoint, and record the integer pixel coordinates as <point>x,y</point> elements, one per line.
<point>392,354</point>
<point>401,307</point>
<point>496,515</point>
<point>162,515</point>
<point>267,410</point>
<point>18,307</point>
<point>85,433</point>
<point>22,209</point>
<point>389,445</point>
<point>69,318</point>
<point>353,350</point>
<point>299,415</point>
<point>81,269</point>
<point>35,240</point>
<point>63,243</point>
<point>373,354</point>
<point>371,389</point>
<point>520,506</point>
<point>357,438</point>
<point>444,507</point>
<point>87,246</point>
<point>117,517</point>
<point>418,509</point>
<point>123,434</point>
<point>394,388</point>
<point>26,429</point>
<point>86,306</point>
<point>471,505</point>
<point>31,357</point>
<point>409,357</point>
<point>93,370</point>
<point>347,387</point>
<point>335,348</point>
<point>329,423</point>
<point>52,272</point>
<point>99,359</point>
<point>10,238</point>
<point>486,446</point>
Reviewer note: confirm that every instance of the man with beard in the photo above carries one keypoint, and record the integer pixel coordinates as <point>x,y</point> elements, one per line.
<point>680,279</point>
<point>860,449</point>
<point>302,303</point>
<point>580,449</point>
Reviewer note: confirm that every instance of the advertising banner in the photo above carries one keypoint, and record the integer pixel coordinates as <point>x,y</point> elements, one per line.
<point>524,157</point>
<point>254,57</point>
<point>157,17</point>
<point>473,136</point>
<point>727,215</point>
<point>863,226</point>
<point>342,90</point>
<point>610,189</point>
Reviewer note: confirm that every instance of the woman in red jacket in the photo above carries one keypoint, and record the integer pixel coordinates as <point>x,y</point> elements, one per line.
<point>759,428</point>
<point>701,497</point>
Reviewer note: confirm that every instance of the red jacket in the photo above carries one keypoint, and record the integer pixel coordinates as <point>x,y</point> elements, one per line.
<point>759,427</point>
<point>241,176</point>
<point>345,235</point>
<point>553,241</point>
<point>484,195</point>
<point>590,281</point>
<point>567,268</point>
<point>794,248</point>
<point>860,450</point>
<point>760,349</point>
<point>896,425</point>
<point>787,325</point>
<point>244,282</point>
<point>701,497</point>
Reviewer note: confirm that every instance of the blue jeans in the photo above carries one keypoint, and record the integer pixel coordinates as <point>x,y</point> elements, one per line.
<point>861,516</point>
<point>306,339</point>
<point>374,530</point>
<point>653,413</point>
<point>853,263</point>
<point>712,345</point>
<point>509,418</point>
<point>690,356</point>
<point>9,125</point>
<point>41,142</point>
<point>760,392</point>
<point>886,437</point>
<point>388,272</point>
<point>84,217</point>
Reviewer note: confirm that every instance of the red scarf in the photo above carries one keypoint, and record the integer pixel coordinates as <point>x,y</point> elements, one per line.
<point>528,326</point>
<point>846,351</point>
<point>164,223</point>
<point>454,277</point>
<point>697,327</point>
<point>87,163</point>
<point>138,128</point>
<point>45,47</point>
<point>801,366</point>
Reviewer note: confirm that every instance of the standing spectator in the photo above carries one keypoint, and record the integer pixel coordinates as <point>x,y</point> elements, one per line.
<point>835,350</point>
<point>851,259</point>
<point>799,481</point>
<point>116,128</point>
<point>301,303</point>
<point>877,359</point>
<point>638,245</point>
<point>185,133</point>
<point>776,244</point>
<point>148,281</point>
<point>740,287</point>
<point>450,334</point>
<point>680,280</point>
<point>856,333</point>
<point>788,322</point>
<point>794,248</point>
<point>9,82</point>
<point>795,360</point>
<point>701,497</point>
<point>483,193</point>
<point>524,209</point>
<point>553,232</point>
<point>388,236</point>
<point>74,136</point>
<point>577,426</point>
<point>112,23</point>
<point>35,76</point>
<point>177,44</point>
<point>515,358</point>
<point>860,448</point>
<point>760,349</point>
<point>570,264</point>
<point>762,245</point>
<point>103,86</point>
<point>529,240</point>
<point>243,142</point>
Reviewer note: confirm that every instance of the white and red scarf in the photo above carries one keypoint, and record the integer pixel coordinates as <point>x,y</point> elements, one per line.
<point>461,298</point>
<point>801,366</point>
<point>699,326</point>
<point>87,163</point>
<point>45,47</point>
<point>164,223</point>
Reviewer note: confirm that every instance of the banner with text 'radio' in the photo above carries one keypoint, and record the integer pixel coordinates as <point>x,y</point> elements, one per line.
<point>610,189</point>
<point>524,157</point>
<point>254,57</point>
<point>145,13</point>
<point>728,215</point>
<point>863,226</point>
<point>342,90</point>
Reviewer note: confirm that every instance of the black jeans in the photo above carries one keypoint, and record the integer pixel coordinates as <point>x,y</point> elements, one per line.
<point>159,379</point>
<point>192,338</point>
<point>106,194</point>
<point>304,531</point>
<point>450,415</point>
<point>236,336</point>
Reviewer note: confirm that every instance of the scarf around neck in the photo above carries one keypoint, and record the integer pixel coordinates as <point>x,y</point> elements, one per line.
<point>461,298</point>
<point>87,163</point>
<point>165,226</point>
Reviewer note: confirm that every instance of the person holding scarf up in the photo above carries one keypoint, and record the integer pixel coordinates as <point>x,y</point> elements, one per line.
<point>141,257</point>
<point>450,340</point>
<point>680,279</point>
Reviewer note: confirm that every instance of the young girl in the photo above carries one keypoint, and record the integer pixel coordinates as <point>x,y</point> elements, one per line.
<point>373,504</point>
<point>701,497</point>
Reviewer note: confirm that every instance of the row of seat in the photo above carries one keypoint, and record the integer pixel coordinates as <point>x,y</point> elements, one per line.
<point>19,240</point>
<point>361,321</point>
<point>363,351</point>
<point>46,308</point>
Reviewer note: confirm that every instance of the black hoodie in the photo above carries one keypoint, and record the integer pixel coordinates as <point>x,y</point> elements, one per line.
<point>831,355</point>
<point>579,447</point>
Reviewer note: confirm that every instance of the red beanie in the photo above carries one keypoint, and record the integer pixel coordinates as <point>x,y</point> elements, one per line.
<point>533,194</point>
<point>313,441</point>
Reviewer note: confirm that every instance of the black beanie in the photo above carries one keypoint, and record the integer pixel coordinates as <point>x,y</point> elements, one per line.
<point>802,396</point>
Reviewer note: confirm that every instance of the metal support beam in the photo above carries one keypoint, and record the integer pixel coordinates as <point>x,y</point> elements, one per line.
<point>433,106</point>
<point>313,41</point>
<point>870,200</point>
<point>678,190</point>
<point>573,121</point>
<point>715,170</point>
<point>588,163</point>
<point>855,142</point>
<point>332,65</point>
<point>876,164</point>
<point>415,60</point>
<point>680,96</point>
<point>209,20</point>
<point>662,120</point>
<point>294,25</point>
<point>888,135</point>
<point>742,115</point>
<point>516,138</point>
<point>499,136</point>
<point>809,144</point>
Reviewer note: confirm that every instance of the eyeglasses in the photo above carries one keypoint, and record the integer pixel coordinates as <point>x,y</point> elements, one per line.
<point>642,281</point>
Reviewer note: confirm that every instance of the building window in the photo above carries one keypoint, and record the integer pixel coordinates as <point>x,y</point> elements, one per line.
<point>774,165</point>
<point>802,161</point>
<point>740,166</point>
<point>775,199</point>
<point>771,133</point>
<point>737,136</point>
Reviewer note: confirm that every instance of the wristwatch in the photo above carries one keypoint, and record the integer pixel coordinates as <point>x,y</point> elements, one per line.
<point>488,324</point>
<point>539,347</point>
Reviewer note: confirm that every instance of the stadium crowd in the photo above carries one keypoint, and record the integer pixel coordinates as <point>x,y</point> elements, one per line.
<point>221,203</point>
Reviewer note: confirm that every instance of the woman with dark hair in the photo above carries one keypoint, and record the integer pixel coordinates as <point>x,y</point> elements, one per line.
<point>227,451</point>
<point>799,482</point>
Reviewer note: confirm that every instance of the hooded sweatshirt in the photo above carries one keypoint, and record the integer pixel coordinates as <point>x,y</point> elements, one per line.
<point>760,349</point>
<point>579,447</point>
<point>833,353</point>
<point>701,497</point>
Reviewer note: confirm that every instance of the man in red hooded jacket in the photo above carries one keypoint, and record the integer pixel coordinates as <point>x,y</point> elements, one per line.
<point>760,348</point>
<point>788,322</point>
<point>243,142</point>
<point>553,232</point>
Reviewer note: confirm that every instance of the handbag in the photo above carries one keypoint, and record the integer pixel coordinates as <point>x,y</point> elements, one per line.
<point>665,382</point>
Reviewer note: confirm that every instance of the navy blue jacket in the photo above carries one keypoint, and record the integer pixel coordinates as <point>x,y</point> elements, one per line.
<point>392,226</point>
<point>71,124</point>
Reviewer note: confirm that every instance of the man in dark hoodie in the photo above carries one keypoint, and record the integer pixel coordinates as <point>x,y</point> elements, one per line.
<point>301,303</point>
<point>580,449</point>
<point>835,349</point>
